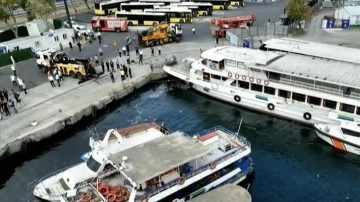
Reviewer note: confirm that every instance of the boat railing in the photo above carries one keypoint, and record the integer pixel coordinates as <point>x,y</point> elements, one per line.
<point>193,173</point>
<point>315,87</point>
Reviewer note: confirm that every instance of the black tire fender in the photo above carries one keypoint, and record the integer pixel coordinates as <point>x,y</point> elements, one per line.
<point>271,106</point>
<point>307,116</point>
<point>237,98</point>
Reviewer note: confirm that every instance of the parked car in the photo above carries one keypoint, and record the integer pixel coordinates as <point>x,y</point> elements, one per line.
<point>67,25</point>
<point>82,29</point>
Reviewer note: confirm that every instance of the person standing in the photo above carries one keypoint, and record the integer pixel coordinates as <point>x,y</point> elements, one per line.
<point>137,51</point>
<point>112,77</point>
<point>122,73</point>
<point>100,51</point>
<point>70,45</point>
<point>16,96</point>
<point>152,51</point>
<point>13,69</point>
<point>129,70</point>
<point>126,71</point>
<point>108,66</point>
<point>23,86</point>
<point>51,79</point>
<point>79,45</point>
<point>5,94</point>
<point>119,51</point>
<point>217,39</point>
<point>12,105</point>
<point>112,66</point>
<point>159,49</point>
<point>60,76</point>
<point>151,66</point>
<point>117,64</point>
<point>5,108</point>
<point>141,57</point>
<point>61,46</point>
<point>57,79</point>
<point>193,30</point>
<point>96,60</point>
<point>102,66</point>
<point>13,80</point>
<point>99,37</point>
<point>127,50</point>
<point>20,82</point>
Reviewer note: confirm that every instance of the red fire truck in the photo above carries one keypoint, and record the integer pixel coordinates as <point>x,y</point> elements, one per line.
<point>109,24</point>
<point>220,25</point>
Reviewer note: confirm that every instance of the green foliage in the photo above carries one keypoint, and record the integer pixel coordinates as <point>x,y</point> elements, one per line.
<point>42,8</point>
<point>7,8</point>
<point>298,10</point>
<point>19,55</point>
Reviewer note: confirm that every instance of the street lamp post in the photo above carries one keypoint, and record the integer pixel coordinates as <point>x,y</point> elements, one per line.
<point>67,13</point>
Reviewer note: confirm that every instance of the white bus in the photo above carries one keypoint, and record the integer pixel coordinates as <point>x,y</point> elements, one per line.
<point>166,2</point>
<point>174,14</point>
<point>142,18</point>
<point>202,8</point>
<point>139,6</point>
<point>108,7</point>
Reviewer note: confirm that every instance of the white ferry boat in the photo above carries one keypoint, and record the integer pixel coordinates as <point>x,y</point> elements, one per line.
<point>306,89</point>
<point>146,163</point>
<point>344,136</point>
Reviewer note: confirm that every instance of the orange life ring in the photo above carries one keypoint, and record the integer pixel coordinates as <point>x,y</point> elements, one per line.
<point>266,82</point>
<point>258,81</point>
<point>243,77</point>
<point>104,190</point>
<point>116,189</point>
<point>237,76</point>
<point>111,197</point>
<point>212,165</point>
<point>182,180</point>
<point>229,74</point>
<point>251,79</point>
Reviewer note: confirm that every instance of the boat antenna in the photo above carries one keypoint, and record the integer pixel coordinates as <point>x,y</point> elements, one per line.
<point>238,131</point>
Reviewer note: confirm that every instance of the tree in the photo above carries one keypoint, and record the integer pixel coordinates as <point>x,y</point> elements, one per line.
<point>298,10</point>
<point>42,8</point>
<point>7,14</point>
<point>29,14</point>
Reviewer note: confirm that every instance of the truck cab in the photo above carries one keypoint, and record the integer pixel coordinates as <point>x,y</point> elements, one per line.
<point>43,59</point>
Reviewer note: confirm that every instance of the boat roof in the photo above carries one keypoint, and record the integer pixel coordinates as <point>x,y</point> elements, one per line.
<point>225,193</point>
<point>246,55</point>
<point>155,157</point>
<point>337,72</point>
<point>309,48</point>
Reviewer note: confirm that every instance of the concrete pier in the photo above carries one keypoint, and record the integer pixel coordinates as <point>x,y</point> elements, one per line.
<point>45,110</point>
<point>225,193</point>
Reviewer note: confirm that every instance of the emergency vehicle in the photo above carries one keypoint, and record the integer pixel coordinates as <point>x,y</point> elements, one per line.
<point>109,24</point>
<point>220,25</point>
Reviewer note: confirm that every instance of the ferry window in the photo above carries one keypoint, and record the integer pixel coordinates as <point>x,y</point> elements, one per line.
<point>92,164</point>
<point>358,110</point>
<point>256,87</point>
<point>233,83</point>
<point>269,90</point>
<point>224,78</point>
<point>350,132</point>
<point>214,76</point>
<point>198,72</point>
<point>347,108</point>
<point>221,64</point>
<point>255,70</point>
<point>230,63</point>
<point>314,100</point>
<point>329,104</point>
<point>298,97</point>
<point>284,93</point>
<point>204,62</point>
<point>243,84</point>
<point>241,65</point>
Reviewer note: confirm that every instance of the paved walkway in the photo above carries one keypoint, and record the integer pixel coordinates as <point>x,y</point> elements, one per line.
<point>53,108</point>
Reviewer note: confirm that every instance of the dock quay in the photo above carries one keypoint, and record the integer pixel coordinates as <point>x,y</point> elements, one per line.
<point>45,111</point>
<point>225,193</point>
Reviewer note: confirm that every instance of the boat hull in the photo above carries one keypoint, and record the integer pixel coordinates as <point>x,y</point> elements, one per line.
<point>339,144</point>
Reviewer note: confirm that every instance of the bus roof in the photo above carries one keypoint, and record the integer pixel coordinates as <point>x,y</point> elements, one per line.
<point>138,13</point>
<point>192,4</point>
<point>160,1</point>
<point>142,3</point>
<point>112,1</point>
<point>168,9</point>
<point>177,6</point>
<point>210,0</point>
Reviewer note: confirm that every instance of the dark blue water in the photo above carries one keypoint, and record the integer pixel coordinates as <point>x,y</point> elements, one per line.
<point>291,163</point>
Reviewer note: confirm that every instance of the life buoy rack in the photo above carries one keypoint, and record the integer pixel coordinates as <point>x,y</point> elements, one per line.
<point>258,81</point>
<point>104,190</point>
<point>237,98</point>
<point>212,166</point>
<point>251,79</point>
<point>307,116</point>
<point>237,76</point>
<point>266,82</point>
<point>229,74</point>
<point>271,106</point>
<point>243,77</point>
<point>181,180</point>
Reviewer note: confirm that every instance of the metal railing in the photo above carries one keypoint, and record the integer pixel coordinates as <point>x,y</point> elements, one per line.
<point>316,88</point>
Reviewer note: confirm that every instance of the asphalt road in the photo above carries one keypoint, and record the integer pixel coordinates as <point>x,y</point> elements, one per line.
<point>29,72</point>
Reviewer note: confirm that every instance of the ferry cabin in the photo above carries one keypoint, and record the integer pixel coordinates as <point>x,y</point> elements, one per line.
<point>302,88</point>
